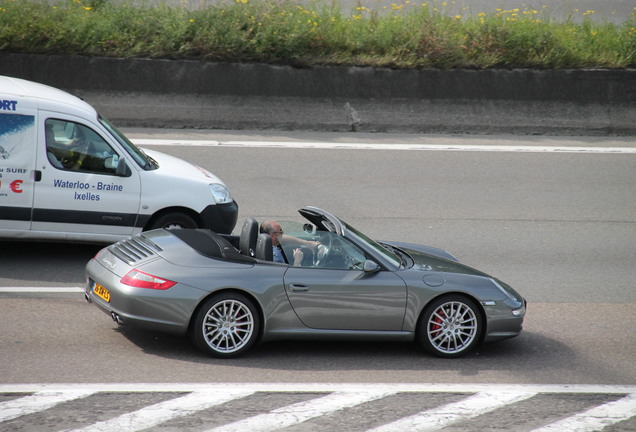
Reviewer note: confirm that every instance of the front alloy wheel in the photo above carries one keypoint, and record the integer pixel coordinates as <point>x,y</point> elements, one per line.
<point>451,326</point>
<point>226,326</point>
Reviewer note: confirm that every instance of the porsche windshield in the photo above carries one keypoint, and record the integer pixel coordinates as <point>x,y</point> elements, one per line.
<point>388,255</point>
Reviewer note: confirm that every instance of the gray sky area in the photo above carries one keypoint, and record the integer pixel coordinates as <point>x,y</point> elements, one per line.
<point>615,11</point>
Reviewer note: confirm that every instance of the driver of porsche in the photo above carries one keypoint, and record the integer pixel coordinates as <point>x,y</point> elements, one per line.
<point>276,232</point>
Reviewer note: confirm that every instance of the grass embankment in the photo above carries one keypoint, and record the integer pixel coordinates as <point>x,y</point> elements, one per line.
<point>397,34</point>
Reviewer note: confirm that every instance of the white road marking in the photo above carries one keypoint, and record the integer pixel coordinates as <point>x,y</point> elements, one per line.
<point>320,387</point>
<point>39,401</point>
<point>302,411</point>
<point>158,413</point>
<point>438,418</point>
<point>387,146</point>
<point>200,396</point>
<point>597,418</point>
<point>41,289</point>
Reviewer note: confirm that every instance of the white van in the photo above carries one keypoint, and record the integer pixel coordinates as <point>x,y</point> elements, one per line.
<point>67,174</point>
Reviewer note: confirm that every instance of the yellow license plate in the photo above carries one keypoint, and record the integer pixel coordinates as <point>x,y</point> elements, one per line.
<point>101,292</point>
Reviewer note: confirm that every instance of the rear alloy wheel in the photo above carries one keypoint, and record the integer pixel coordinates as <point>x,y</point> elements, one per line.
<point>174,220</point>
<point>227,325</point>
<point>451,326</point>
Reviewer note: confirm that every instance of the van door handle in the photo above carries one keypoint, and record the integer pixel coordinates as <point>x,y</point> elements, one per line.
<point>298,287</point>
<point>38,175</point>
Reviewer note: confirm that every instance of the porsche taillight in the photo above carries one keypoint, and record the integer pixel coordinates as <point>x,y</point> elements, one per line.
<point>139,279</point>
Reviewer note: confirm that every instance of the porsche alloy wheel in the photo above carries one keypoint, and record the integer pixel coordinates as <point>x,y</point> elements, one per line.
<point>451,326</point>
<point>226,326</point>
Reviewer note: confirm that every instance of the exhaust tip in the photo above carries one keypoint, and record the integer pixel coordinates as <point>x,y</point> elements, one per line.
<point>87,298</point>
<point>116,318</point>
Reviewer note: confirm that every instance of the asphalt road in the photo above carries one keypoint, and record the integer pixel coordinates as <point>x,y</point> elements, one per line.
<point>559,227</point>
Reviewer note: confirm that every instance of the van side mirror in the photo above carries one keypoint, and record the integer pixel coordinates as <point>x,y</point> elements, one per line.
<point>122,169</point>
<point>370,266</point>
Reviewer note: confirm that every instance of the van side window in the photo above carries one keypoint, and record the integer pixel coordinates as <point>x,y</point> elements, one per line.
<point>73,146</point>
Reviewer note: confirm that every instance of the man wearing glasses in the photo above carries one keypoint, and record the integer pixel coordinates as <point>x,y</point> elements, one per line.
<point>276,232</point>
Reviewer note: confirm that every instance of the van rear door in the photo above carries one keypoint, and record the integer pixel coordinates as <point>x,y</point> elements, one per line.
<point>86,184</point>
<point>17,163</point>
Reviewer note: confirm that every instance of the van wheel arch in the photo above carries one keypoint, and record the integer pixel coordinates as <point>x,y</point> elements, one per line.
<point>174,218</point>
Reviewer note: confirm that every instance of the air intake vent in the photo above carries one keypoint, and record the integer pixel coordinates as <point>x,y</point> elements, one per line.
<point>134,250</point>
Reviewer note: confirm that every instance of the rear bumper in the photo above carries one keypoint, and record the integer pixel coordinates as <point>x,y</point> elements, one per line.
<point>165,311</point>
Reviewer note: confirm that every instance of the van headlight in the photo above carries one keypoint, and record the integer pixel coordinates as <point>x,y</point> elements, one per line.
<point>220,193</point>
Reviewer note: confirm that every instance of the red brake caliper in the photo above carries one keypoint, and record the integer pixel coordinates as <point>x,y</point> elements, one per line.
<point>438,321</point>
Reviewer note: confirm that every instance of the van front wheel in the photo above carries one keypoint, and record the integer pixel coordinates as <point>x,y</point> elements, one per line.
<point>174,220</point>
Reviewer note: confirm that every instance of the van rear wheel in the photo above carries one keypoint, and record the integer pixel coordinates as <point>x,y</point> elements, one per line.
<point>174,220</point>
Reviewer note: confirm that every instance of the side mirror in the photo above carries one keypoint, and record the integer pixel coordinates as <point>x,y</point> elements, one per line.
<point>309,228</point>
<point>122,169</point>
<point>370,266</point>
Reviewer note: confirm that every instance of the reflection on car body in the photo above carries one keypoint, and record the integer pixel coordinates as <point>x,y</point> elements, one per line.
<point>228,294</point>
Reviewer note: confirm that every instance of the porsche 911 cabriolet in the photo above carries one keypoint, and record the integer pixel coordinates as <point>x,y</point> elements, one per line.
<point>227,292</point>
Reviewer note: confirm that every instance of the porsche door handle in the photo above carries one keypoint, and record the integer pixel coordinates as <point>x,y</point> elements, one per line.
<point>298,287</point>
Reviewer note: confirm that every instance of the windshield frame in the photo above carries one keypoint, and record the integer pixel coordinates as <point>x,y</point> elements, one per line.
<point>388,258</point>
<point>135,152</point>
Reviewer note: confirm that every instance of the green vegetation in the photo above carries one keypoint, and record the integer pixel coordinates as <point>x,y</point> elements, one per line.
<point>400,34</point>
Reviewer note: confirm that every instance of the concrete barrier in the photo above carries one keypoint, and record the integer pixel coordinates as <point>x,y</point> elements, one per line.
<point>204,95</point>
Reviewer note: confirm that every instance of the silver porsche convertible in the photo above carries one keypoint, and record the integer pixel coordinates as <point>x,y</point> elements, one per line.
<point>227,292</point>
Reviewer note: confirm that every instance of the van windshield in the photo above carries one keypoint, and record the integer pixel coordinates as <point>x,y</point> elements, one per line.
<point>143,160</point>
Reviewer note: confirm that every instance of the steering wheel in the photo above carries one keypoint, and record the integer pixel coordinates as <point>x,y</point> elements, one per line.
<point>322,251</point>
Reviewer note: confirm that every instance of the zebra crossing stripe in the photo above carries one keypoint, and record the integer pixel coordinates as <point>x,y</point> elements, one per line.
<point>445,415</point>
<point>158,413</point>
<point>302,411</point>
<point>39,401</point>
<point>595,418</point>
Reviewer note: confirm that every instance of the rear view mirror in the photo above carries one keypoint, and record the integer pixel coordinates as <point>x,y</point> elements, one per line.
<point>110,163</point>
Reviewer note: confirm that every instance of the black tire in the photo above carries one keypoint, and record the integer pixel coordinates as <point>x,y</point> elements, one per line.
<point>227,325</point>
<point>450,326</point>
<point>174,220</point>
